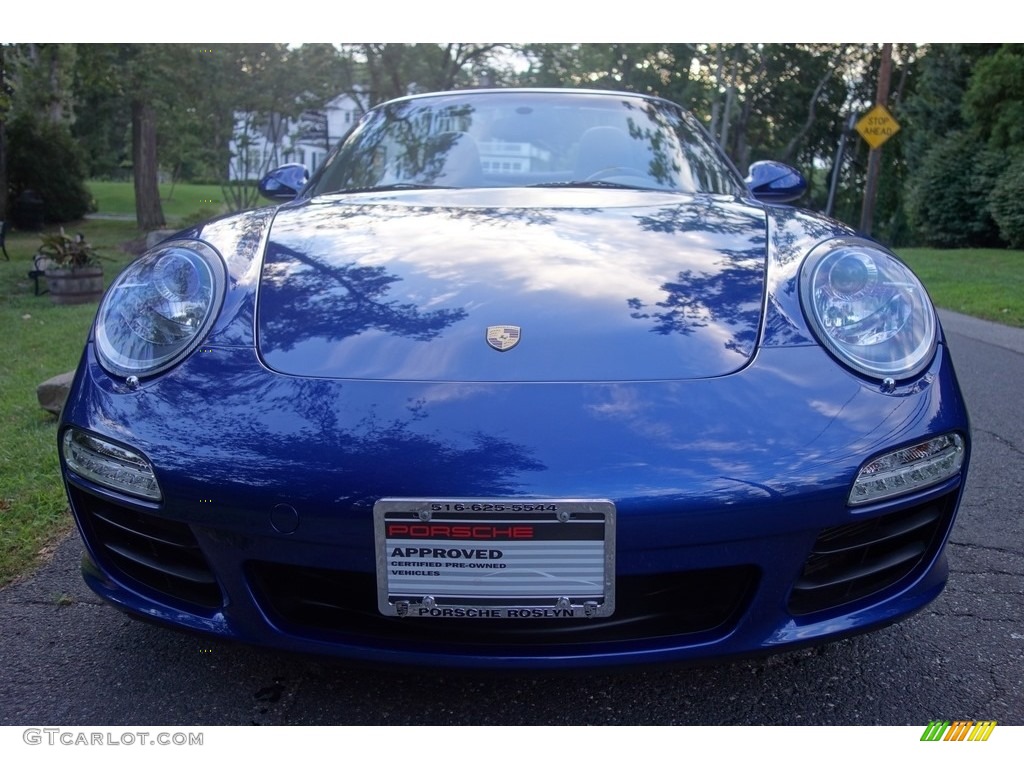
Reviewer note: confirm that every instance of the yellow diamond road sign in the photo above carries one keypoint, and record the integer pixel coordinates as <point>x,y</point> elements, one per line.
<point>877,126</point>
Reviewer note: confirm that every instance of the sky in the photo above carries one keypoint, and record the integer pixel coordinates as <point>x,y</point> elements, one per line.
<point>517,22</point>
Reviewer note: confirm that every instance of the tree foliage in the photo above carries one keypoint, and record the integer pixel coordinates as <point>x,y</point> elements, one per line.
<point>933,109</point>
<point>994,101</point>
<point>39,153</point>
<point>132,84</point>
<point>949,199</point>
<point>964,119</point>
<point>784,102</point>
<point>44,159</point>
<point>1007,202</point>
<point>377,72</point>
<point>201,109</point>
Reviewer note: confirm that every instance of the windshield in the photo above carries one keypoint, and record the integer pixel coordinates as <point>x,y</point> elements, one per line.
<point>516,138</point>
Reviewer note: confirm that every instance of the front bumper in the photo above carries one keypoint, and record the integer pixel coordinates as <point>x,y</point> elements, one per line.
<point>734,536</point>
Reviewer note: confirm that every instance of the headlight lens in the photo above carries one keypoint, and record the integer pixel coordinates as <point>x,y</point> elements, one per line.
<point>868,309</point>
<point>160,308</point>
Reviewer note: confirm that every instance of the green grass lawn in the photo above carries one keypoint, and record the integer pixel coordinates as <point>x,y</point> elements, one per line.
<point>985,283</point>
<point>38,340</point>
<point>180,202</point>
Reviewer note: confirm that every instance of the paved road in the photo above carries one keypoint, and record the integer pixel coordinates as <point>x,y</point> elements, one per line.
<point>70,660</point>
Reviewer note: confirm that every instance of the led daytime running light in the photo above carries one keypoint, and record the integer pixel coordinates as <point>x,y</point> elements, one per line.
<point>110,465</point>
<point>908,469</point>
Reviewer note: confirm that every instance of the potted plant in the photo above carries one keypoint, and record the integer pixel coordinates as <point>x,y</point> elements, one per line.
<point>72,268</point>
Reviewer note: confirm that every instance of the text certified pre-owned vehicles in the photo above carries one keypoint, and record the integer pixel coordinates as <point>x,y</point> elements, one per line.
<point>518,378</point>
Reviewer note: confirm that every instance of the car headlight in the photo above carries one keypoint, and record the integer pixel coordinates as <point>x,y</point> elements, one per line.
<point>868,309</point>
<point>160,308</point>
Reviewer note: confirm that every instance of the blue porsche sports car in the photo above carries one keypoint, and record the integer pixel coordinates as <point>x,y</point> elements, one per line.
<point>518,378</point>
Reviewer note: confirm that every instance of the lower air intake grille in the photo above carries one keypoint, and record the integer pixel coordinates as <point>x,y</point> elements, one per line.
<point>662,605</point>
<point>160,555</point>
<point>856,560</point>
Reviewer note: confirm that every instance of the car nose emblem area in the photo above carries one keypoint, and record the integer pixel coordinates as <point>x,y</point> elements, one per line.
<point>503,337</point>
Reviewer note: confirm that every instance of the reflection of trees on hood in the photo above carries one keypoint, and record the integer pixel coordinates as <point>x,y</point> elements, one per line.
<point>366,217</point>
<point>315,439</point>
<point>483,465</point>
<point>322,300</point>
<point>696,300</point>
<point>728,293</point>
<point>710,216</point>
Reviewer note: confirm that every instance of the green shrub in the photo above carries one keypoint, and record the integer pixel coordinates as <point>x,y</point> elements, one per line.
<point>1007,202</point>
<point>949,200</point>
<point>43,157</point>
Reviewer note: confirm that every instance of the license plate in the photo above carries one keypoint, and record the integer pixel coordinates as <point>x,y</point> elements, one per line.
<point>495,558</point>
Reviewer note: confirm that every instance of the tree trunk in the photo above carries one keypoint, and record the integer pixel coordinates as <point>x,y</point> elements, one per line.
<point>730,97</point>
<point>148,212</point>
<point>789,153</point>
<point>716,104</point>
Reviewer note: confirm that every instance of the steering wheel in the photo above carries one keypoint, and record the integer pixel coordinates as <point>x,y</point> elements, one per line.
<point>615,170</point>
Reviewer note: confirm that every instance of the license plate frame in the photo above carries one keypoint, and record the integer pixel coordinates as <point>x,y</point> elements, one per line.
<point>482,558</point>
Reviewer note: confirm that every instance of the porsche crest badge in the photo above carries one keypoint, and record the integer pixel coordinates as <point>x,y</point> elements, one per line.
<point>503,337</point>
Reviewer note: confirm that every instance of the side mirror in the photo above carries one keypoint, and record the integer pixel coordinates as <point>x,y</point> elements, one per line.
<point>772,182</point>
<point>284,183</point>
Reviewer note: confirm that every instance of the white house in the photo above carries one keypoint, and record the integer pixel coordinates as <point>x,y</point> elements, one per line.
<point>260,144</point>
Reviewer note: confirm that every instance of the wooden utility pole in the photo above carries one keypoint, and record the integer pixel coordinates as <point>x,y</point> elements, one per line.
<point>867,210</point>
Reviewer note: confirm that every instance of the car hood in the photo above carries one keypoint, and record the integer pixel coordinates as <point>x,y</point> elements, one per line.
<point>577,284</point>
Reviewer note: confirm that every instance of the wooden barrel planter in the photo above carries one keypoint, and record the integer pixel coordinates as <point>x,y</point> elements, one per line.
<point>79,285</point>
